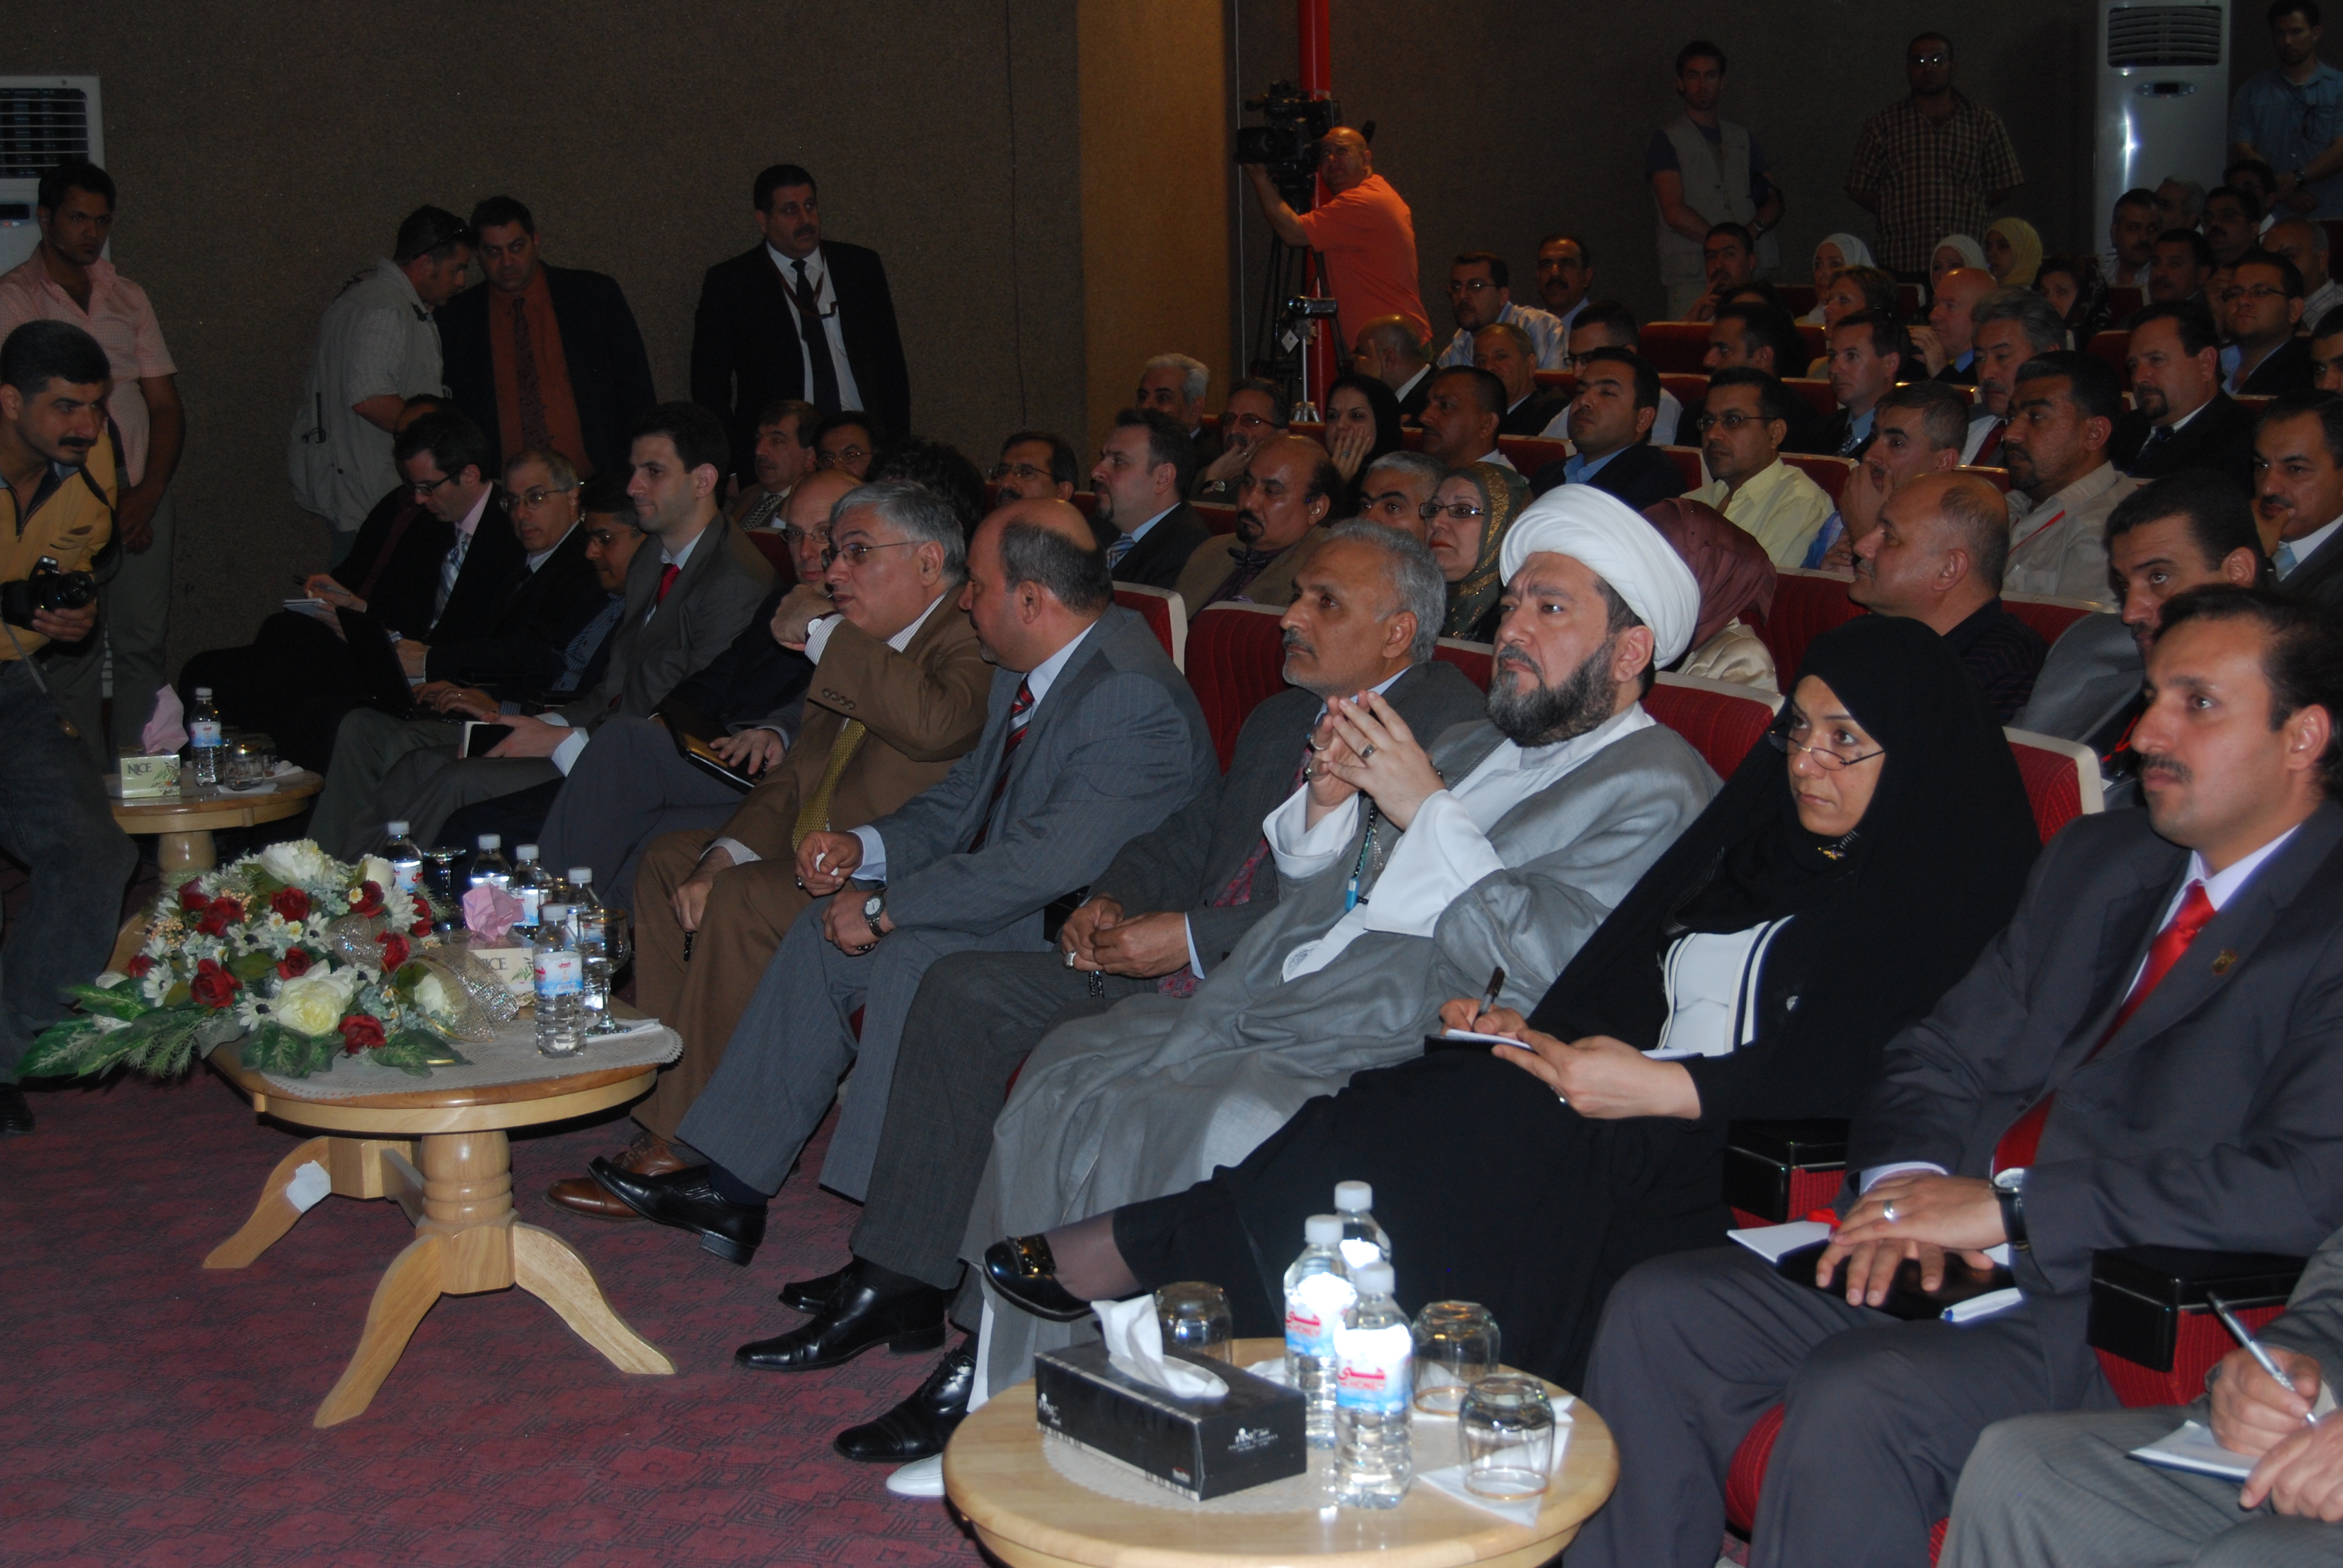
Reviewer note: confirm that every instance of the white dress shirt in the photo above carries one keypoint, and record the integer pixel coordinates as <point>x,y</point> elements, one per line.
<point>825,299</point>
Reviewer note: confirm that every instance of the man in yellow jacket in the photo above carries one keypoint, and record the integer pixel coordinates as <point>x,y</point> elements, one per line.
<point>61,464</point>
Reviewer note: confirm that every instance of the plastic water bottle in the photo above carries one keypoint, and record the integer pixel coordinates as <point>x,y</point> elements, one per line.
<point>1318,1291</point>
<point>528,884</point>
<point>561,977</point>
<point>489,868</point>
<point>591,926</point>
<point>1373,1460</point>
<point>204,745</point>
<point>405,869</point>
<point>1364,1241</point>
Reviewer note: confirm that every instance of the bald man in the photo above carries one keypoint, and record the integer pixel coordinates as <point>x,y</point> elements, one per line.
<point>1090,737</point>
<point>1363,229</point>
<point>1389,351</point>
<point>1937,557</point>
<point>1948,342</point>
<point>1289,488</point>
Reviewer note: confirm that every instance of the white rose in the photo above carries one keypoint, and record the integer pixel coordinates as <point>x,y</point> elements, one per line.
<point>376,870</point>
<point>315,1004</point>
<point>296,863</point>
<point>431,995</point>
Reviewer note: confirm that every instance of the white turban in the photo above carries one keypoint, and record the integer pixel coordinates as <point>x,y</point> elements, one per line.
<point>1607,537</point>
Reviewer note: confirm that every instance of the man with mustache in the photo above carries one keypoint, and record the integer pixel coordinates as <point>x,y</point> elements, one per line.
<point>2062,412</point>
<point>2298,493</point>
<point>796,316</point>
<point>1254,413</point>
<point>2180,418</point>
<point>1290,486</point>
<point>1937,557</point>
<point>2012,326</point>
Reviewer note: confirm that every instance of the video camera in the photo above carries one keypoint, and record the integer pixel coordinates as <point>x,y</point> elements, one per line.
<point>1287,146</point>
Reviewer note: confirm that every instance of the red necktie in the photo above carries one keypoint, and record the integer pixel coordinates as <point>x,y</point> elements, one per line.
<point>1018,710</point>
<point>668,574</point>
<point>2018,1145</point>
<point>1989,447</point>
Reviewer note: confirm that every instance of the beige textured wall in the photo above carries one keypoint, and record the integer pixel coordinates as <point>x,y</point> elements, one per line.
<point>267,153</point>
<point>1155,176</point>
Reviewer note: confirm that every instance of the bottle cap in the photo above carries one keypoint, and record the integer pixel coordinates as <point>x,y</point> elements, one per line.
<point>549,913</point>
<point>582,874</point>
<point>1323,1230</point>
<point>397,829</point>
<point>1372,1279</point>
<point>525,853</point>
<point>1353,1197</point>
<point>491,841</point>
<point>202,694</point>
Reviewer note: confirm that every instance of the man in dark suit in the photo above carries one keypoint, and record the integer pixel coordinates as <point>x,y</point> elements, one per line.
<point>549,596</point>
<point>2298,493</point>
<point>2266,307</point>
<point>2180,418</point>
<point>1184,893</point>
<point>1093,737</point>
<point>1611,417</point>
<point>1389,351</point>
<point>2145,1056</point>
<point>1865,348</point>
<point>1506,351</point>
<point>1145,466</point>
<point>794,317</point>
<point>578,388</point>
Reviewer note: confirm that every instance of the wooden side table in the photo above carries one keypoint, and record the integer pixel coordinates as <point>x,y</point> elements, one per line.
<point>186,821</point>
<point>1029,1516</point>
<point>458,1196</point>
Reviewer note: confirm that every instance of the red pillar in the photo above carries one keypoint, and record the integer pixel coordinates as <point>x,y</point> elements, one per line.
<point>1316,50</point>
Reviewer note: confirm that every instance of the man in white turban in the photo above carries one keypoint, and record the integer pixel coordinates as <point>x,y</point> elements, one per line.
<point>1410,874</point>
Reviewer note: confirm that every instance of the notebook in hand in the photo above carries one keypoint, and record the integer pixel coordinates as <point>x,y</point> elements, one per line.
<point>693,735</point>
<point>1905,1298</point>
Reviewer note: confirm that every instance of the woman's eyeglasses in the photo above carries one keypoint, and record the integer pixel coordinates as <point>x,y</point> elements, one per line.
<point>1462,511</point>
<point>1833,757</point>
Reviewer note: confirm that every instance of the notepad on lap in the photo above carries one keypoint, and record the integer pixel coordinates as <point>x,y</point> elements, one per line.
<point>1771,1241</point>
<point>2191,1446</point>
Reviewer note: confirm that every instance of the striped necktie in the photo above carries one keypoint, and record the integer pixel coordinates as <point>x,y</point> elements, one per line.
<point>449,569</point>
<point>1116,550</point>
<point>1183,980</point>
<point>813,816</point>
<point>1019,712</point>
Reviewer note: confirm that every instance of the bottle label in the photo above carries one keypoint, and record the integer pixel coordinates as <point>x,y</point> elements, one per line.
<point>559,973</point>
<point>530,898</point>
<point>1313,1309</point>
<point>204,732</point>
<point>1377,1368</point>
<point>405,876</point>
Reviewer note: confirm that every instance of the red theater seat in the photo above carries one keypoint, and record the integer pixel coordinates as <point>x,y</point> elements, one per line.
<point>1797,298</point>
<point>1166,614</point>
<point>1816,392</point>
<point>1561,381</point>
<point>1830,472</point>
<point>1219,519</point>
<point>1531,453</point>
<point>1689,467</point>
<point>1679,346</point>
<point>1806,605</point>
<point>1721,720</point>
<point>1817,340</point>
<point>2114,348</point>
<point>2062,780</point>
<point>1689,390</point>
<point>2123,303</point>
<point>2048,615</point>
<point>1236,661</point>
<point>774,546</point>
<point>1476,659</point>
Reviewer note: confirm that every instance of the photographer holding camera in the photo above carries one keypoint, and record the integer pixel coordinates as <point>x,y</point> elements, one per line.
<point>62,467</point>
<point>1364,230</point>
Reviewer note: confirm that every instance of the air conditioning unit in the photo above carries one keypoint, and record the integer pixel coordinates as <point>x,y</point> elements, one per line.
<point>2164,98</point>
<point>44,121</point>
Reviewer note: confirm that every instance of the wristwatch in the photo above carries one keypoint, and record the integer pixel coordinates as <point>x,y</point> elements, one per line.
<point>2009,1187</point>
<point>873,907</point>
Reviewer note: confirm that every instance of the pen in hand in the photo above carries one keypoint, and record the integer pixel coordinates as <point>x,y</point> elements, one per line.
<point>1496,985</point>
<point>2253,1347</point>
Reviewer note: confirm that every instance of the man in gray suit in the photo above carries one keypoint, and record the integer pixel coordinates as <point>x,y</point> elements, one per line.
<point>1092,736</point>
<point>2146,1055</point>
<point>2060,1492</point>
<point>1366,617</point>
<point>686,601</point>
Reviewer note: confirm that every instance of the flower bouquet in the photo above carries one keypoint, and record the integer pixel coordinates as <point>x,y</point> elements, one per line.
<point>305,958</point>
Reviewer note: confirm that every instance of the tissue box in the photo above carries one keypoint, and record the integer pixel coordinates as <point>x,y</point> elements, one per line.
<point>514,966</point>
<point>1199,1448</point>
<point>143,778</point>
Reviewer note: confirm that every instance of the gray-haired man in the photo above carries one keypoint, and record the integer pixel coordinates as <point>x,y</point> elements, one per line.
<point>1173,386</point>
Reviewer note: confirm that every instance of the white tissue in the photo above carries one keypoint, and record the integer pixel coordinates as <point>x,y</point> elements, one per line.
<point>1134,1347</point>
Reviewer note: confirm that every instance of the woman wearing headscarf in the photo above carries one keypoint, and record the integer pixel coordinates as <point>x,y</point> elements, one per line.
<point>1477,504</point>
<point>1835,255</point>
<point>1767,958</point>
<point>1953,250</point>
<point>2012,252</point>
<point>1736,577</point>
<point>1362,425</point>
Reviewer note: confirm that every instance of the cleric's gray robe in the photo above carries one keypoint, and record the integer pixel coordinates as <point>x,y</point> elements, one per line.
<point>1147,1099</point>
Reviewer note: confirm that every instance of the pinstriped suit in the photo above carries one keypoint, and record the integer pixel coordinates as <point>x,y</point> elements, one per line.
<point>1115,745</point>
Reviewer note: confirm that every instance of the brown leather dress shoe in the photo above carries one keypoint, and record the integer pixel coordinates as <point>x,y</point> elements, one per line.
<point>647,1155</point>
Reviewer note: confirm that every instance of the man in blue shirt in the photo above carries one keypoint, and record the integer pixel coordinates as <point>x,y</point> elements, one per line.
<point>2291,116</point>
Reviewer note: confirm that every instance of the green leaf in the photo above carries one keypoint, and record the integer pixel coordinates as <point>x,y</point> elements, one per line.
<point>251,966</point>
<point>123,1001</point>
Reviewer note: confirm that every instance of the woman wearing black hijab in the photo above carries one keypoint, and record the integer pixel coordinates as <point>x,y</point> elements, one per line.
<point>1837,885</point>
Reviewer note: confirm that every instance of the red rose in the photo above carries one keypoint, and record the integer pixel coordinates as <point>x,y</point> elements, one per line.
<point>422,906</point>
<point>218,915</point>
<point>361,1032</point>
<point>213,986</point>
<point>292,903</point>
<point>394,951</point>
<point>420,929</point>
<point>192,898</point>
<point>139,968</point>
<point>370,900</point>
<point>294,965</point>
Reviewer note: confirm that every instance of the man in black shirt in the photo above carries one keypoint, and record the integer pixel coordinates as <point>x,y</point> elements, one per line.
<point>1937,557</point>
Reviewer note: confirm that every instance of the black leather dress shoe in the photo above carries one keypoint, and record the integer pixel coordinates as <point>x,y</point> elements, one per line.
<point>687,1200</point>
<point>811,1295</point>
<point>15,1115</point>
<point>921,1425</point>
<point>1021,1268</point>
<point>857,1316</point>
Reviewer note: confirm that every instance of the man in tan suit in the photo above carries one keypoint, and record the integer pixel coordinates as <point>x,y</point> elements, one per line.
<point>1290,486</point>
<point>897,694</point>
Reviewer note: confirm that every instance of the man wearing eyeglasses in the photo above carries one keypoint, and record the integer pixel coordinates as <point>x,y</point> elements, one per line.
<point>1480,297</point>
<point>2264,310</point>
<point>1035,466</point>
<point>1932,165</point>
<point>1742,426</point>
<point>1252,415</point>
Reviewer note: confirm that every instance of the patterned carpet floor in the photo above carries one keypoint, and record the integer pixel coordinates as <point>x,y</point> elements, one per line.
<point>153,1411</point>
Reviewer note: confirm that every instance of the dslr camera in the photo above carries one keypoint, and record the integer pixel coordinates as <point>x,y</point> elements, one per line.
<point>47,588</point>
<point>1287,146</point>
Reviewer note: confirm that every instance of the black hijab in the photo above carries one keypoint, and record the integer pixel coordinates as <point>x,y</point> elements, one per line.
<point>1886,921</point>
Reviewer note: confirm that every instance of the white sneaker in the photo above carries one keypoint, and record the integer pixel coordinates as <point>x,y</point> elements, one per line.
<point>920,1478</point>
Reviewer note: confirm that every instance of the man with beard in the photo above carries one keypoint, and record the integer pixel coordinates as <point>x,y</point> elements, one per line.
<point>2180,418</point>
<point>2062,485</point>
<point>1394,898</point>
<point>1143,468</point>
<point>1289,487</point>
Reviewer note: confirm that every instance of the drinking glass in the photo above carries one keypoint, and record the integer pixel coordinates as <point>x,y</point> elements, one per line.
<point>441,889</point>
<point>1455,1347</point>
<point>616,951</point>
<point>1505,1427</point>
<point>1196,1319</point>
<point>246,765</point>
